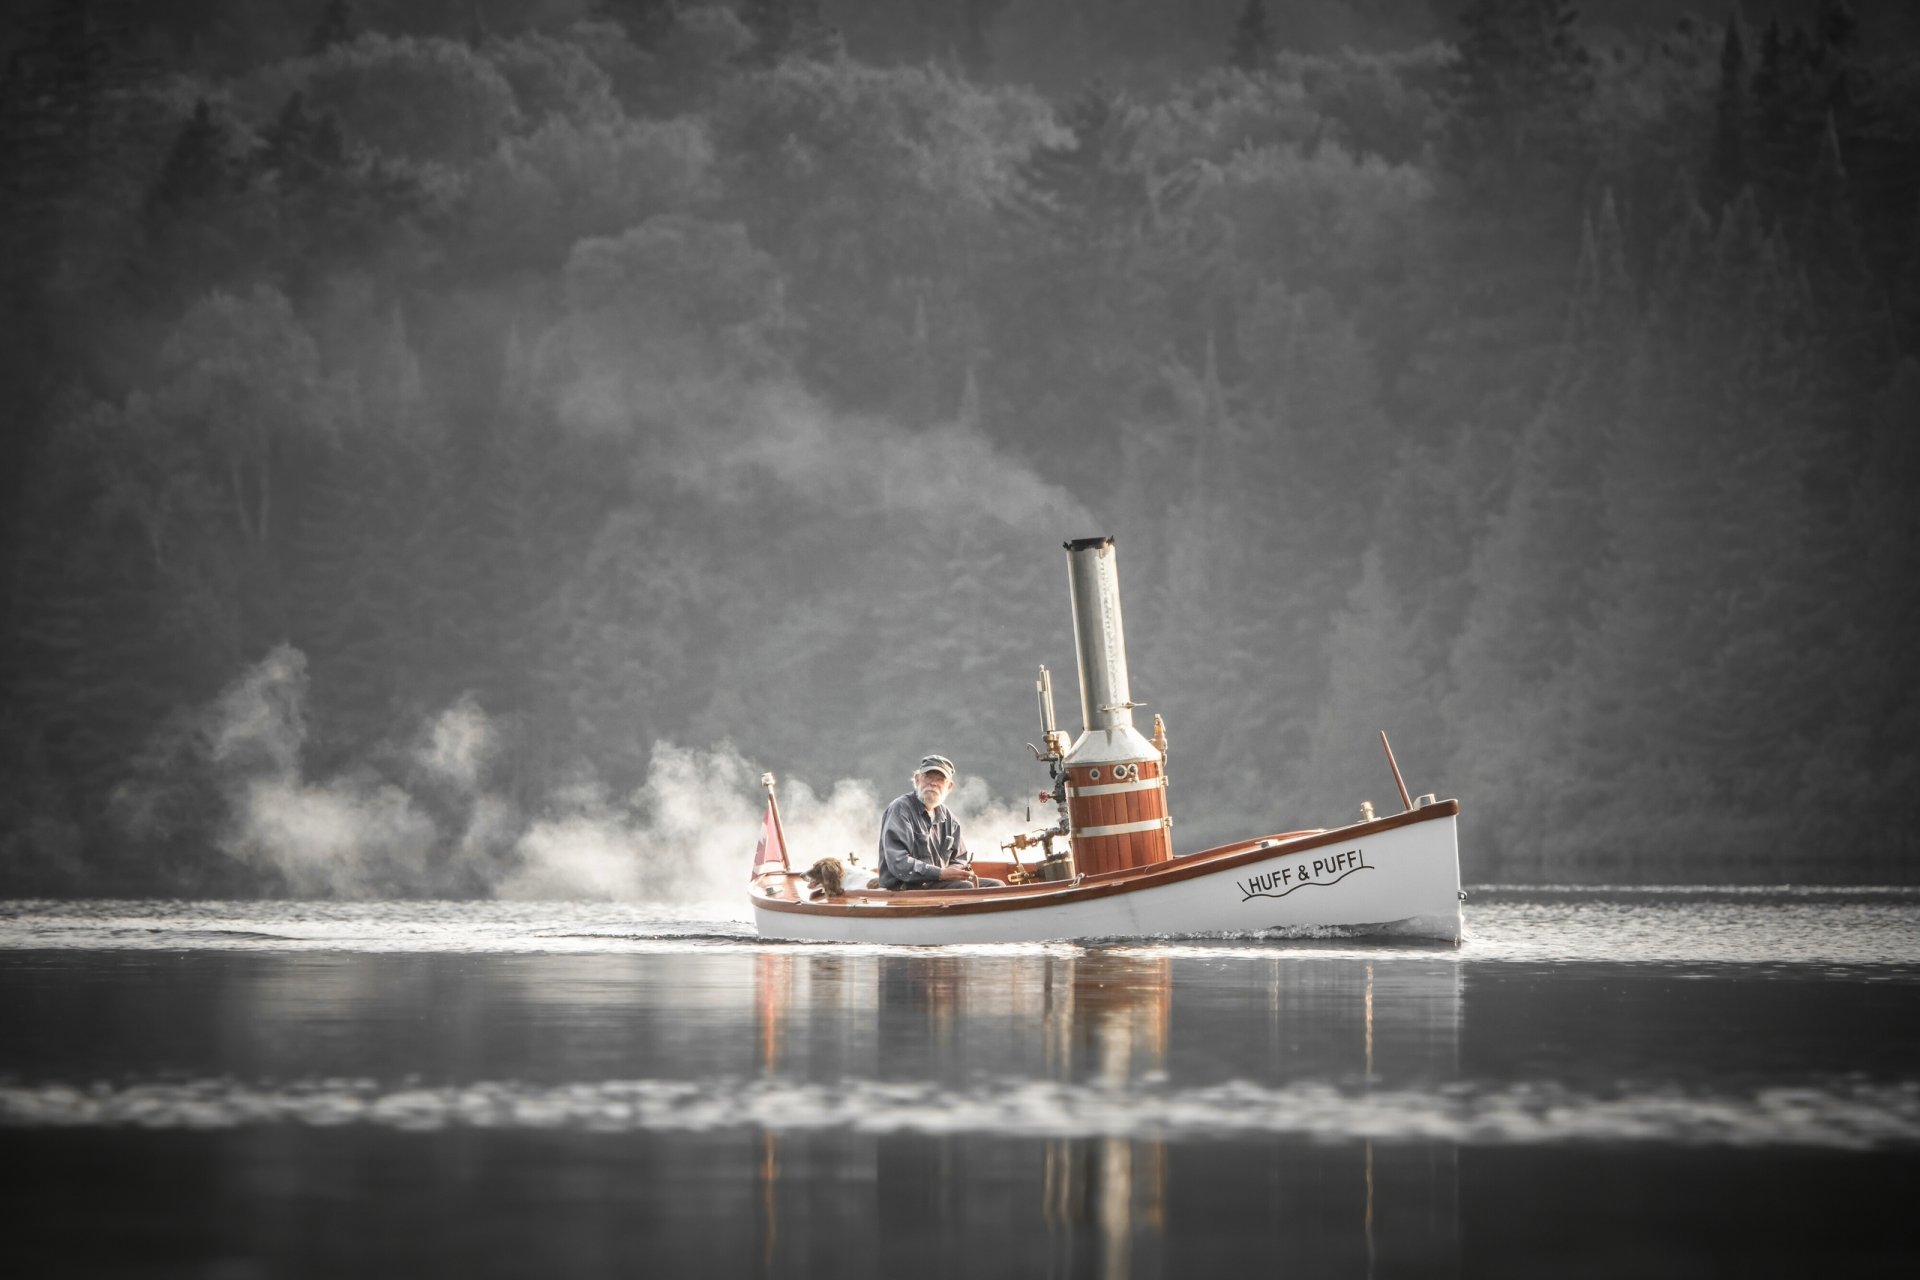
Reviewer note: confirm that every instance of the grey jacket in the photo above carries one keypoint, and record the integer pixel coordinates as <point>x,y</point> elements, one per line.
<point>914,844</point>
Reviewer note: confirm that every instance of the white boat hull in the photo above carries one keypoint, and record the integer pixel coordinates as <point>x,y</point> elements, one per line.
<point>1398,876</point>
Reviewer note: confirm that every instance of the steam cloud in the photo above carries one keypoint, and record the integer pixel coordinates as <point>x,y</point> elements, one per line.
<point>685,836</point>
<point>859,465</point>
<point>428,816</point>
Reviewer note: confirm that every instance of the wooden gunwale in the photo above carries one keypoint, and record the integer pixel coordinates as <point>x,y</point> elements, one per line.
<point>937,902</point>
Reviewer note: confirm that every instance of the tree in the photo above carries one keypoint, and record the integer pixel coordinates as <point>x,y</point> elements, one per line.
<point>75,112</point>
<point>870,632</point>
<point>1091,188</point>
<point>243,378</point>
<point>334,27</point>
<point>875,189</point>
<point>541,193</point>
<point>99,639</point>
<point>646,22</point>
<point>201,222</point>
<point>976,20</point>
<point>536,498</point>
<point>1874,701</point>
<point>631,666</point>
<point>1778,90</point>
<point>671,303</point>
<point>1376,681</point>
<point>1252,37</point>
<point>1852,322</point>
<point>788,28</point>
<point>554,77</point>
<point>1694,686</point>
<point>430,99</point>
<point>1906,291</point>
<point>172,506</point>
<point>1727,158</point>
<point>197,168</point>
<point>1516,144</point>
<point>1533,571</point>
<point>207,465</point>
<point>1836,26</point>
<point>1516,158</point>
<point>1519,87</point>
<point>1077,295</point>
<point>355,581</point>
<point>669,65</point>
<point>338,208</point>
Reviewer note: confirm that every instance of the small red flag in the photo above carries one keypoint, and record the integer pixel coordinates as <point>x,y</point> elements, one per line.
<point>769,848</point>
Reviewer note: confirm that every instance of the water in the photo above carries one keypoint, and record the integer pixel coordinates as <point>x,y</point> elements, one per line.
<point>1599,1082</point>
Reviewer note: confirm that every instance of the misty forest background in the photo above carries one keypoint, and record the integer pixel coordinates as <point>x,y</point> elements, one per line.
<point>599,379</point>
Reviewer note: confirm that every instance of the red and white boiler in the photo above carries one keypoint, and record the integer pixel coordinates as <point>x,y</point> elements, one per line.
<point>1112,781</point>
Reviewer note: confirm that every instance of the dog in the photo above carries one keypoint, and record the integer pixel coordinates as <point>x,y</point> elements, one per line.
<point>830,878</point>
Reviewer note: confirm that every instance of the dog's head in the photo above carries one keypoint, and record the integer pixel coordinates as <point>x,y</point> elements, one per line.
<point>828,875</point>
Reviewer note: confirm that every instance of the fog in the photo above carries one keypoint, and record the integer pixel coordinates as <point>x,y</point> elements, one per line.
<point>460,448</point>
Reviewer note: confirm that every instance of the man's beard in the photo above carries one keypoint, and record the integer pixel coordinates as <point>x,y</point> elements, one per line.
<point>930,796</point>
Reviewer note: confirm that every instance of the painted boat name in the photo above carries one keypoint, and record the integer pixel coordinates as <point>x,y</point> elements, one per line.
<point>1331,869</point>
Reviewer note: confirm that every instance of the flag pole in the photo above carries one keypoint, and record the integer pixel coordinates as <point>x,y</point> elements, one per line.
<point>766,780</point>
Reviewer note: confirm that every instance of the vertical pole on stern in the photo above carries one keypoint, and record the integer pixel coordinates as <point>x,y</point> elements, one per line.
<point>766,780</point>
<point>1406,801</point>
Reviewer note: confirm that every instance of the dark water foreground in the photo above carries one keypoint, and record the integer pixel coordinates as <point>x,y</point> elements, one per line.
<point>1595,1084</point>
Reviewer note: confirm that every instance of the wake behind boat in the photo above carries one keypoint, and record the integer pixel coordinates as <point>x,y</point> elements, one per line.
<point>1107,868</point>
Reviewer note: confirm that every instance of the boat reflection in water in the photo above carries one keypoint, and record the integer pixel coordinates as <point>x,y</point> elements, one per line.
<point>1113,1112</point>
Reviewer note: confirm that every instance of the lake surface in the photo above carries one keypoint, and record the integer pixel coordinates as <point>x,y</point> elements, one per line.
<point>1597,1082</point>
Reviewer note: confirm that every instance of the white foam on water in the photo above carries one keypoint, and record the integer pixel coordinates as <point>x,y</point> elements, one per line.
<point>1849,1115</point>
<point>1653,925</point>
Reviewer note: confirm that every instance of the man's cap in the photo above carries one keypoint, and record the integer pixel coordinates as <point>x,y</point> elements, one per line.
<point>940,763</point>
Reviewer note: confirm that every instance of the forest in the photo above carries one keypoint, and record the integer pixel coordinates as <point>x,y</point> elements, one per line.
<point>435,423</point>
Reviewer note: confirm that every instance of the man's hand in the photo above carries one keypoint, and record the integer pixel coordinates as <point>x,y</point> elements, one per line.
<point>954,871</point>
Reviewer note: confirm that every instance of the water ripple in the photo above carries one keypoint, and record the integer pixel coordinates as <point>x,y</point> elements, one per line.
<point>1846,1114</point>
<point>1858,926</point>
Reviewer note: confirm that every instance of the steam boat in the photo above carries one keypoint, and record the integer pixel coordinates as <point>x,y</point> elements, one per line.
<point>1107,868</point>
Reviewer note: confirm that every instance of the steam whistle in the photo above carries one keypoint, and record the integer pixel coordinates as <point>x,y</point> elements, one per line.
<point>1056,752</point>
<point>1055,864</point>
<point>1056,742</point>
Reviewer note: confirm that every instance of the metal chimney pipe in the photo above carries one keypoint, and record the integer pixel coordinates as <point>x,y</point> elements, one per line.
<point>1106,701</point>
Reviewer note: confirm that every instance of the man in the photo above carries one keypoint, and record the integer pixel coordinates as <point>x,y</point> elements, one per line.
<point>920,844</point>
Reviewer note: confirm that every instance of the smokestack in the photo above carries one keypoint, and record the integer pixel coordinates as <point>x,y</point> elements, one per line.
<point>1099,639</point>
<point>1116,783</point>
